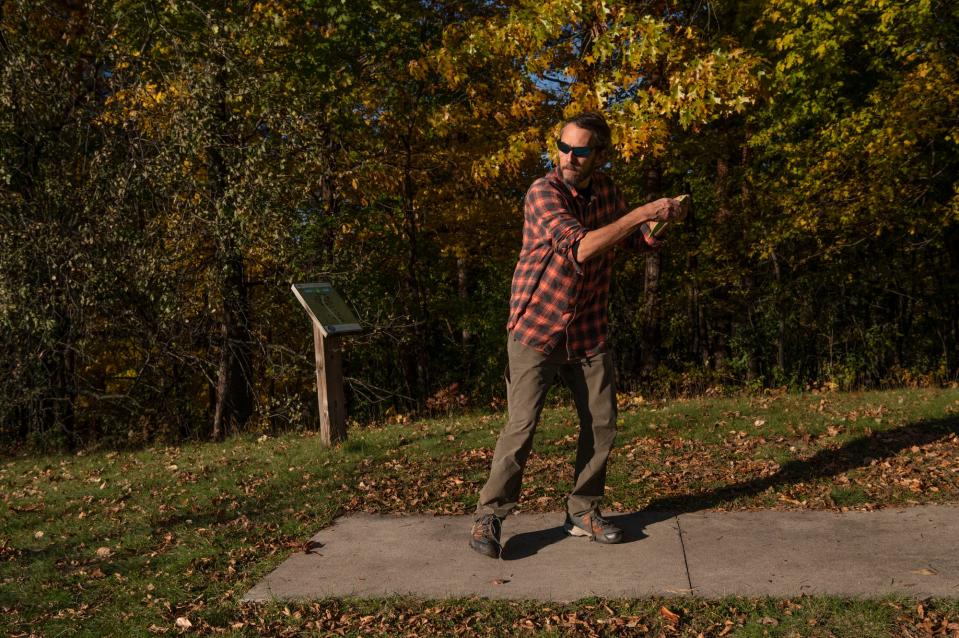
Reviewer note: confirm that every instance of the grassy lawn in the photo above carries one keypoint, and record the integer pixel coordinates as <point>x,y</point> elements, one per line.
<point>127,543</point>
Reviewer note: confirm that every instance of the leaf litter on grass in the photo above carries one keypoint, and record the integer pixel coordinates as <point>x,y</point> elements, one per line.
<point>834,469</point>
<point>186,543</point>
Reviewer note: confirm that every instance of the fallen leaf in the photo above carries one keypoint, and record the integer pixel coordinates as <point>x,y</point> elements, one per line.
<point>21,509</point>
<point>500,581</point>
<point>309,546</point>
<point>183,623</point>
<point>104,552</point>
<point>38,534</point>
<point>671,617</point>
<point>925,571</point>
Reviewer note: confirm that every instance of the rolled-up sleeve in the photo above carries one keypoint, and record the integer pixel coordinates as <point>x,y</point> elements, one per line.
<point>638,241</point>
<point>548,215</point>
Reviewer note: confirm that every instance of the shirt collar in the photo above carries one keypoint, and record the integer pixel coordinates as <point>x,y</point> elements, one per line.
<point>556,177</point>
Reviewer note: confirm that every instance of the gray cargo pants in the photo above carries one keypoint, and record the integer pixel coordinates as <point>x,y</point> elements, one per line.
<point>529,376</point>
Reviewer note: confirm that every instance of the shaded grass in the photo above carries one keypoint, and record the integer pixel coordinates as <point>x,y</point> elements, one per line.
<point>186,531</point>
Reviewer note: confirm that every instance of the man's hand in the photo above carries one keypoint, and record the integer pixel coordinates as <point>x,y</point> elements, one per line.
<point>670,209</point>
<point>666,209</point>
<point>685,202</point>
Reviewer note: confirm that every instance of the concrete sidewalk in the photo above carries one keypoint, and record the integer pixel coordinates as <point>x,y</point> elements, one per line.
<point>911,551</point>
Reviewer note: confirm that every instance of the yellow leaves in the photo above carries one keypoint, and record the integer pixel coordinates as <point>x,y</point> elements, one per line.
<point>418,69</point>
<point>627,79</point>
<point>149,105</point>
<point>636,137</point>
<point>785,42</point>
<point>624,56</point>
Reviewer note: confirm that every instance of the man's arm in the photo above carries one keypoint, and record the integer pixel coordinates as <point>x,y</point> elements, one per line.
<point>598,241</point>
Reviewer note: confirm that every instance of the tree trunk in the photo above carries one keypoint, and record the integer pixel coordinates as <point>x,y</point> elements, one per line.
<point>466,336</point>
<point>57,405</point>
<point>330,202</point>
<point>420,318</point>
<point>650,339</point>
<point>752,296</point>
<point>780,322</point>
<point>234,387</point>
<point>723,314</point>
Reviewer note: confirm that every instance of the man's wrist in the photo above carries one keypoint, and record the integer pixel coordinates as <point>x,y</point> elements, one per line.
<point>643,214</point>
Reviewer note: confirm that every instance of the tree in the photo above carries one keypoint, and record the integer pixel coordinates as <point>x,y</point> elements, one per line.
<point>651,69</point>
<point>855,176</point>
<point>60,231</point>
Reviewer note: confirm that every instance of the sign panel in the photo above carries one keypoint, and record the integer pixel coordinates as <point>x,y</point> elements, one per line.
<point>327,308</point>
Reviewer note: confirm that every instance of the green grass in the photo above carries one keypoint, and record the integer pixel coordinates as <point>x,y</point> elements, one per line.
<point>848,496</point>
<point>186,531</point>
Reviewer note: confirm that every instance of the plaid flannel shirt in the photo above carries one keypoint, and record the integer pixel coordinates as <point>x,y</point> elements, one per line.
<point>553,297</point>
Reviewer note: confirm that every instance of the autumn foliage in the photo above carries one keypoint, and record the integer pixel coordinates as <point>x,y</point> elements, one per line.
<point>168,169</point>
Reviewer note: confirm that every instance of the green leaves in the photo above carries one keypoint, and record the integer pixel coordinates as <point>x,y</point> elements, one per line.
<point>152,150</point>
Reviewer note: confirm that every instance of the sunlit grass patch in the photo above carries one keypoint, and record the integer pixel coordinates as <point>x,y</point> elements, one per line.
<point>114,543</point>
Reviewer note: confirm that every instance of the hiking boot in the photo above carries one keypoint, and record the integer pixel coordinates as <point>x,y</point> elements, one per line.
<point>593,525</point>
<point>484,535</point>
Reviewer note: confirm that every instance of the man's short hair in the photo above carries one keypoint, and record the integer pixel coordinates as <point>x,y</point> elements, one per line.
<point>595,124</point>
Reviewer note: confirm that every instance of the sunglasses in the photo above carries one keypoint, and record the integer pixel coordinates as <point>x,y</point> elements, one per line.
<point>578,151</point>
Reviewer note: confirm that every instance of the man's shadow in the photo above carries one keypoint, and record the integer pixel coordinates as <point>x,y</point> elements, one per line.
<point>525,544</point>
<point>853,454</point>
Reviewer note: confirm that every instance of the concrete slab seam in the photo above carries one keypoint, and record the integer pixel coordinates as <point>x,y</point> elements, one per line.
<point>682,545</point>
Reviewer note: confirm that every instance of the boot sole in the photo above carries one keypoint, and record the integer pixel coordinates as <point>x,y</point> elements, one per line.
<point>490,552</point>
<point>572,530</point>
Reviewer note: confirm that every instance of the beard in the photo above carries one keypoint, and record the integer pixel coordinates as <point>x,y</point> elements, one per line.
<point>572,176</point>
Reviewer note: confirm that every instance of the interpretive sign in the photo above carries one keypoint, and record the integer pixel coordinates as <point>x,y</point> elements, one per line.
<point>331,317</point>
<point>327,308</point>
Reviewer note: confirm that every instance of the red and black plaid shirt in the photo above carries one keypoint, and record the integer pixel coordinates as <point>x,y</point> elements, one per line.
<point>553,297</point>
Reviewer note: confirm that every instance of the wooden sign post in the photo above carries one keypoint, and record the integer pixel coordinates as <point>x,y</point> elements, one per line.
<point>331,317</point>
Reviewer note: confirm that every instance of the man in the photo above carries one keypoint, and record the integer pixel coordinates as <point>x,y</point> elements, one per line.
<point>558,325</point>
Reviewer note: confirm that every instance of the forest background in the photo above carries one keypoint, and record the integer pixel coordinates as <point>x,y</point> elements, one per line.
<point>169,167</point>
